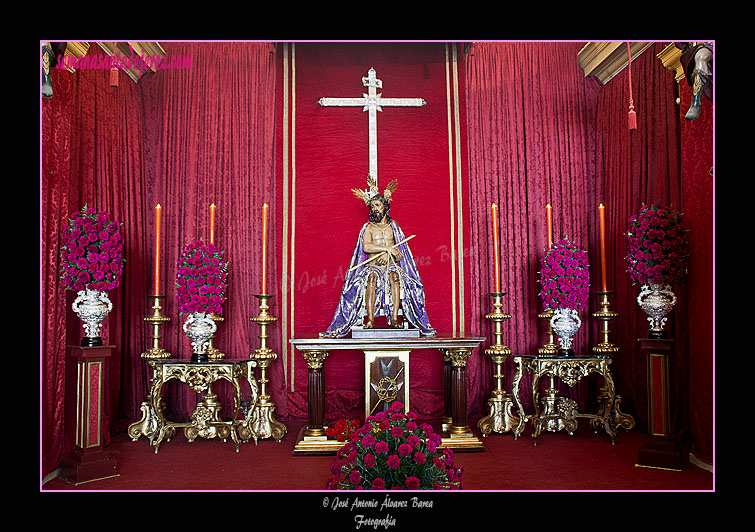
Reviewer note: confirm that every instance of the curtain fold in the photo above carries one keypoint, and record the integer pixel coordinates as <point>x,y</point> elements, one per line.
<point>209,140</point>
<point>185,138</point>
<point>91,146</point>
<point>640,166</point>
<point>531,116</point>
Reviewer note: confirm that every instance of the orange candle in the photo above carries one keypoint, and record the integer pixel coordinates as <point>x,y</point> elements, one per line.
<point>158,209</point>
<point>602,211</point>
<point>549,221</point>
<point>212,223</point>
<point>496,252</point>
<point>264,248</point>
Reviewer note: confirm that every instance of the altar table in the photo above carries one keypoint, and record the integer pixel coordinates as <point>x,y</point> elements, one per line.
<point>557,413</point>
<point>456,434</point>
<point>205,421</point>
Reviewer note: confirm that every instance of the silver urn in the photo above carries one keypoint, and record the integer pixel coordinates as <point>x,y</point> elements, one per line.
<point>657,301</point>
<point>199,327</point>
<point>565,322</point>
<point>92,307</point>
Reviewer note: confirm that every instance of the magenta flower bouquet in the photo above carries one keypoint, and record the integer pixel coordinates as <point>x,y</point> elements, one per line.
<point>201,279</point>
<point>656,250</point>
<point>391,451</point>
<point>564,277</point>
<point>92,251</point>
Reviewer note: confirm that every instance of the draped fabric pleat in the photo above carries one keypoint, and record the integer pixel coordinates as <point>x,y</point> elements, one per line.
<point>640,166</point>
<point>209,140</point>
<point>91,154</point>
<point>538,132</point>
<point>531,116</point>
<point>185,138</point>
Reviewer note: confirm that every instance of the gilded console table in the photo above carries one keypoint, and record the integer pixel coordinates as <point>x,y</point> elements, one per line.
<point>560,413</point>
<point>205,421</point>
<point>455,350</point>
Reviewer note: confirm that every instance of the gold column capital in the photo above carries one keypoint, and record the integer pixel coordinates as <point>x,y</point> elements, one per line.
<point>315,357</point>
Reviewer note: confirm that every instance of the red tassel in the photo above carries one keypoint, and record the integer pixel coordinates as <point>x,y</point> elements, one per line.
<point>632,116</point>
<point>632,113</point>
<point>114,71</point>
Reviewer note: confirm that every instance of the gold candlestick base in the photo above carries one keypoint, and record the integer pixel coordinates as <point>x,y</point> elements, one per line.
<point>263,422</point>
<point>213,353</point>
<point>605,314</point>
<point>501,417</point>
<point>156,319</point>
<point>550,348</point>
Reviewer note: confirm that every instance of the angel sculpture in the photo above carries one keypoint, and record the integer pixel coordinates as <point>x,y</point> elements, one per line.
<point>382,277</point>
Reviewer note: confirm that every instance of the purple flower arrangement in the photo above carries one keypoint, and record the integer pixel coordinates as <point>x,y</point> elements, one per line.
<point>391,451</point>
<point>564,276</point>
<point>656,250</point>
<point>92,251</point>
<point>201,279</point>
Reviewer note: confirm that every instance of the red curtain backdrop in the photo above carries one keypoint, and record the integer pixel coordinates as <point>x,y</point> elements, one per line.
<point>698,161</point>
<point>641,166</point>
<point>184,138</point>
<point>91,154</point>
<point>539,132</point>
<point>209,140</point>
<point>531,116</point>
<point>324,154</point>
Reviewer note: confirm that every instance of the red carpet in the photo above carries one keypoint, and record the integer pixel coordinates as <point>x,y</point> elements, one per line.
<point>560,462</point>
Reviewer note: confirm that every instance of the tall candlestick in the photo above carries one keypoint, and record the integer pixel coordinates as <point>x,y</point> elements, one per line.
<point>212,223</point>
<point>496,251</point>
<point>549,221</point>
<point>602,211</point>
<point>264,248</point>
<point>158,210</point>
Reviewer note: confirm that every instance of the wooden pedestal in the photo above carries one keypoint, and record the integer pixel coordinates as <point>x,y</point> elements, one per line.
<point>85,397</point>
<point>661,452</point>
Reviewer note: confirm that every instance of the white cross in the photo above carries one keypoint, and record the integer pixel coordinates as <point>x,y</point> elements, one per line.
<point>372,102</point>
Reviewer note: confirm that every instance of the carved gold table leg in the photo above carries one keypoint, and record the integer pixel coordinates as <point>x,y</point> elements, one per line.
<point>501,417</point>
<point>520,364</point>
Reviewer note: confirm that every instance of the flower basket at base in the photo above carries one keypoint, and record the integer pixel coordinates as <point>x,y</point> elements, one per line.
<point>391,451</point>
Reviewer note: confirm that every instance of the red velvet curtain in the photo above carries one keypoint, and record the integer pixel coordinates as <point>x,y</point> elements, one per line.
<point>697,195</point>
<point>208,139</point>
<point>531,116</point>
<point>185,138</point>
<point>326,153</point>
<point>641,166</point>
<point>91,149</point>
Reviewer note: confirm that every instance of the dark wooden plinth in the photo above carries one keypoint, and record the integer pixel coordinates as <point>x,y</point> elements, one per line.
<point>660,455</point>
<point>80,467</point>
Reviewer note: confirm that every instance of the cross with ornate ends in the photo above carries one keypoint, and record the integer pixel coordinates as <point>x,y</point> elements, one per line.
<point>372,102</point>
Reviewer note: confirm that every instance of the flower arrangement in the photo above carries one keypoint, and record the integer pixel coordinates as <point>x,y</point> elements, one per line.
<point>656,250</point>
<point>564,276</point>
<point>342,429</point>
<point>92,251</point>
<point>391,451</point>
<point>201,279</point>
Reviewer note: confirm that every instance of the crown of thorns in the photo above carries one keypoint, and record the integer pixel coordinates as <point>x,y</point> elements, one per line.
<point>372,190</point>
